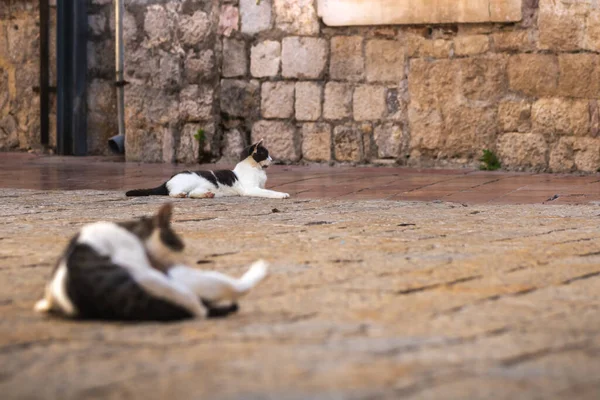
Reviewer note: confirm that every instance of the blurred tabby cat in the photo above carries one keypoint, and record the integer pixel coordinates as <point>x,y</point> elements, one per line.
<point>130,271</point>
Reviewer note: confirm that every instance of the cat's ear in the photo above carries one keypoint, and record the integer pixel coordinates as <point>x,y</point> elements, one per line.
<point>165,212</point>
<point>259,143</point>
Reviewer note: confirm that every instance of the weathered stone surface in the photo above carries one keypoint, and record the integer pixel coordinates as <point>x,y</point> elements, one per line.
<point>157,26</point>
<point>483,78</point>
<point>431,83</point>
<point>591,40</point>
<point>303,57</point>
<point>234,143</point>
<point>235,60</point>
<point>144,144</point>
<point>369,103</point>
<point>101,101</point>
<point>337,102</point>
<point>308,101</point>
<point>388,138</point>
<point>557,116</point>
<point>418,46</point>
<point>255,17</point>
<point>265,59</point>
<point>434,300</point>
<point>280,138</point>
<point>96,24</point>
<point>383,12</point>
<point>523,150</point>
<point>193,29</point>
<point>277,99</point>
<point>347,62</point>
<point>471,45</point>
<point>512,41</point>
<point>514,116</point>
<point>579,75</point>
<point>297,17</point>
<point>21,40</point>
<point>384,60</point>
<point>561,29</point>
<point>469,130</point>
<point>9,135</point>
<point>195,103</point>
<point>427,131</point>
<point>229,20</point>
<point>240,98</point>
<point>188,150</point>
<point>587,154</point>
<point>534,74</point>
<point>347,142</point>
<point>316,141</point>
<point>561,156</point>
<point>199,66</point>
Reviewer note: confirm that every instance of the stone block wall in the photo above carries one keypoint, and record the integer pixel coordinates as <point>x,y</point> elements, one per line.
<point>19,77</point>
<point>237,71</point>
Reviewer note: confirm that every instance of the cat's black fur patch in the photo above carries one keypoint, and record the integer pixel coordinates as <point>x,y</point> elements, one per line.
<point>219,311</point>
<point>99,289</point>
<point>209,176</point>
<point>226,177</point>
<point>145,226</point>
<point>261,154</point>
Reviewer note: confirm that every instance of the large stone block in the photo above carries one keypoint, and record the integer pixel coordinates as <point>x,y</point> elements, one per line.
<point>591,39</point>
<point>384,60</point>
<point>265,59</point>
<point>347,61</point>
<point>194,29</point>
<point>280,138</point>
<point>469,130</point>
<point>534,74</point>
<point>303,57</point>
<point>277,99</point>
<point>389,140</point>
<point>199,66</point>
<point>308,101</point>
<point>347,140</point>
<point>235,61</point>
<point>369,103</point>
<point>196,103</point>
<point>579,75</point>
<point>427,130</point>
<point>483,78</point>
<point>419,46</point>
<point>296,17</point>
<point>188,151</point>
<point>558,116</point>
<point>431,83</point>
<point>587,154</point>
<point>240,98</point>
<point>229,20</point>
<point>234,143</point>
<point>562,154</point>
<point>255,17</point>
<point>22,40</point>
<point>523,150</point>
<point>144,145</point>
<point>471,45</point>
<point>337,101</point>
<point>157,25</point>
<point>316,142</point>
<point>96,24</point>
<point>560,28</point>
<point>513,41</point>
<point>514,116</point>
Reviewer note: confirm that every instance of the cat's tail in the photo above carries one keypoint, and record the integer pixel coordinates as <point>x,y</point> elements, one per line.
<point>157,191</point>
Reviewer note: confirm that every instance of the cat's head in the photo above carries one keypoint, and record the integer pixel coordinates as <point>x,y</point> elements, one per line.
<point>259,153</point>
<point>161,241</point>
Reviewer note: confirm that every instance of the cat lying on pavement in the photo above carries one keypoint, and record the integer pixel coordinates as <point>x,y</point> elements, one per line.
<point>248,178</point>
<point>130,271</point>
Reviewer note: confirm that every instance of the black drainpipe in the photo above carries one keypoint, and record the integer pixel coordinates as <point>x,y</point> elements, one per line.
<point>71,74</point>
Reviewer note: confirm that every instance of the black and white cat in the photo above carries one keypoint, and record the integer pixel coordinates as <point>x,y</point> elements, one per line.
<point>248,178</point>
<point>131,271</point>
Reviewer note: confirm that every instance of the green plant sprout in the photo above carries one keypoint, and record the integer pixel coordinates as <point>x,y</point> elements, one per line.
<point>490,161</point>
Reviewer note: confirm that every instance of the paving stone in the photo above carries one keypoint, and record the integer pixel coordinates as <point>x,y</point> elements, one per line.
<point>384,60</point>
<point>297,17</point>
<point>316,141</point>
<point>369,103</point>
<point>280,138</point>
<point>265,59</point>
<point>303,57</point>
<point>308,101</point>
<point>277,99</point>
<point>337,101</point>
<point>347,61</point>
<point>471,45</point>
<point>255,17</point>
<point>235,60</point>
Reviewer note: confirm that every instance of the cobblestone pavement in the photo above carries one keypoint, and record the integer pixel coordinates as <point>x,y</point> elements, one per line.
<point>366,300</point>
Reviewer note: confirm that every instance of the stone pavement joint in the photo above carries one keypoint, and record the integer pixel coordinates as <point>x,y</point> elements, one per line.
<point>366,299</point>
